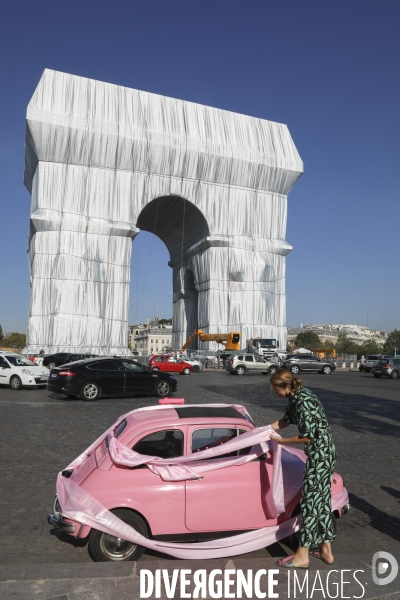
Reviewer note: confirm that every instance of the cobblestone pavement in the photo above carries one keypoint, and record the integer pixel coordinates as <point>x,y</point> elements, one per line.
<point>41,433</point>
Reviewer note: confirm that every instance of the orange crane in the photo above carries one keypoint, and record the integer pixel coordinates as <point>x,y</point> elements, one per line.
<point>231,341</point>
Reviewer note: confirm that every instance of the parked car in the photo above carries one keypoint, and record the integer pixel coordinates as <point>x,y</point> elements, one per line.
<point>387,366</point>
<point>62,358</point>
<point>308,362</point>
<point>371,361</point>
<point>162,362</point>
<point>19,371</point>
<point>250,363</point>
<point>196,364</point>
<point>92,378</point>
<point>221,501</point>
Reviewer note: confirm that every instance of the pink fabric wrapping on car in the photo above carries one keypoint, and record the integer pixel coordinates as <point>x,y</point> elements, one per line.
<point>80,506</point>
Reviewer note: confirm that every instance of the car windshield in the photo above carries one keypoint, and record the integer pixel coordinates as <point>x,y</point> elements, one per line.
<point>19,361</point>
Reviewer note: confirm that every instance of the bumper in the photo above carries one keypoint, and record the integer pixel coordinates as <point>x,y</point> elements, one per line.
<point>62,387</point>
<point>55,518</point>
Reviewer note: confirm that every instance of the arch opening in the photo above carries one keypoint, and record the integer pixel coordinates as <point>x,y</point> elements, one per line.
<point>176,221</point>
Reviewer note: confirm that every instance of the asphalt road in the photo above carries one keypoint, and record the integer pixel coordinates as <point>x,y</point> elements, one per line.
<point>41,433</point>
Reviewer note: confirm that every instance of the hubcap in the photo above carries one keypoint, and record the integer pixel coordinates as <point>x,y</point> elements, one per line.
<point>14,383</point>
<point>90,391</point>
<point>163,388</point>
<point>115,548</point>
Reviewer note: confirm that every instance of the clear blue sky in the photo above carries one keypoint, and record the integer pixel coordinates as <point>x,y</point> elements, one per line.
<point>329,70</point>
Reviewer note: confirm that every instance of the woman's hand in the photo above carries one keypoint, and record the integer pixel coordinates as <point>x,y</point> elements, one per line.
<point>279,440</point>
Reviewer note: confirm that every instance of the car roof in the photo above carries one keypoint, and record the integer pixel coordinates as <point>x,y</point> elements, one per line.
<point>174,416</point>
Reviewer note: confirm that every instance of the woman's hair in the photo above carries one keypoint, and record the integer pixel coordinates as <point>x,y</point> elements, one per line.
<point>283,377</point>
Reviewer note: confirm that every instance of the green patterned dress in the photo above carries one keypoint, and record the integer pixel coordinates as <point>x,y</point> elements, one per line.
<point>306,411</point>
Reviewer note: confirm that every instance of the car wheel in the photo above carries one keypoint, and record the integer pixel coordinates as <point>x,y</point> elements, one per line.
<point>104,547</point>
<point>272,370</point>
<point>155,369</point>
<point>15,382</point>
<point>90,391</point>
<point>326,370</point>
<point>377,375</point>
<point>52,365</point>
<point>186,371</point>
<point>394,374</point>
<point>367,370</point>
<point>240,371</point>
<point>162,388</point>
<point>295,369</point>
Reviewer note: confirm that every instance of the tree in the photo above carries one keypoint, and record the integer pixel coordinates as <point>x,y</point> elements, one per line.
<point>1,333</point>
<point>343,344</point>
<point>370,347</point>
<point>308,340</point>
<point>165,321</point>
<point>392,342</point>
<point>14,340</point>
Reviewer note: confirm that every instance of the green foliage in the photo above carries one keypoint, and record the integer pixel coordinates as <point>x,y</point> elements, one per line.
<point>370,347</point>
<point>345,345</point>
<point>308,340</point>
<point>392,342</point>
<point>165,321</point>
<point>1,333</point>
<point>14,340</point>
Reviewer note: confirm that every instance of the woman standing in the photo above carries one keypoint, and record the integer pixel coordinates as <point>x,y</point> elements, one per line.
<point>305,410</point>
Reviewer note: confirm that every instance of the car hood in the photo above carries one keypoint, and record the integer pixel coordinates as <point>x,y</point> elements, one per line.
<point>38,370</point>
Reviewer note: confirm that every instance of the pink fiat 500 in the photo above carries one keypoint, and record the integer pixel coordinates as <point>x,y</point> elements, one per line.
<point>222,502</point>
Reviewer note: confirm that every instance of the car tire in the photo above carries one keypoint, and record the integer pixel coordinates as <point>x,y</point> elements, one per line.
<point>273,370</point>
<point>155,369</point>
<point>107,548</point>
<point>295,369</point>
<point>377,375</point>
<point>394,375</point>
<point>90,391</point>
<point>186,371</point>
<point>162,388</point>
<point>52,365</point>
<point>240,371</point>
<point>15,382</point>
<point>326,370</point>
<point>367,370</point>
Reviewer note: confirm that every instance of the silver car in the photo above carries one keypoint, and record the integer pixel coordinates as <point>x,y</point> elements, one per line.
<point>387,366</point>
<point>249,363</point>
<point>371,361</point>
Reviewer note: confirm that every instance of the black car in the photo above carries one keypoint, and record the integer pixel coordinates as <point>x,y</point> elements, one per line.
<point>308,362</point>
<point>61,358</point>
<point>95,377</point>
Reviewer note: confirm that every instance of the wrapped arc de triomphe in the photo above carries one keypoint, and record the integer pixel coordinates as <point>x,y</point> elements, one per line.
<point>103,162</point>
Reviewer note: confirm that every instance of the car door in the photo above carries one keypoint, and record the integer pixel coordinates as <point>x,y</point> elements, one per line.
<point>4,370</point>
<point>249,363</point>
<point>259,364</point>
<point>138,380</point>
<point>312,364</point>
<point>226,499</point>
<point>160,363</point>
<point>174,366</point>
<point>163,501</point>
<point>108,375</point>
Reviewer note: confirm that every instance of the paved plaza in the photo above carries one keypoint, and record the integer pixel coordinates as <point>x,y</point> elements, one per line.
<point>41,433</point>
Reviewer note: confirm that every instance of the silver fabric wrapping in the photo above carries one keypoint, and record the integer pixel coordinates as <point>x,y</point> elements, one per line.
<point>103,162</point>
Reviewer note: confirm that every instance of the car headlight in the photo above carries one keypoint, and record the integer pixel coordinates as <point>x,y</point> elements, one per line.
<point>27,372</point>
